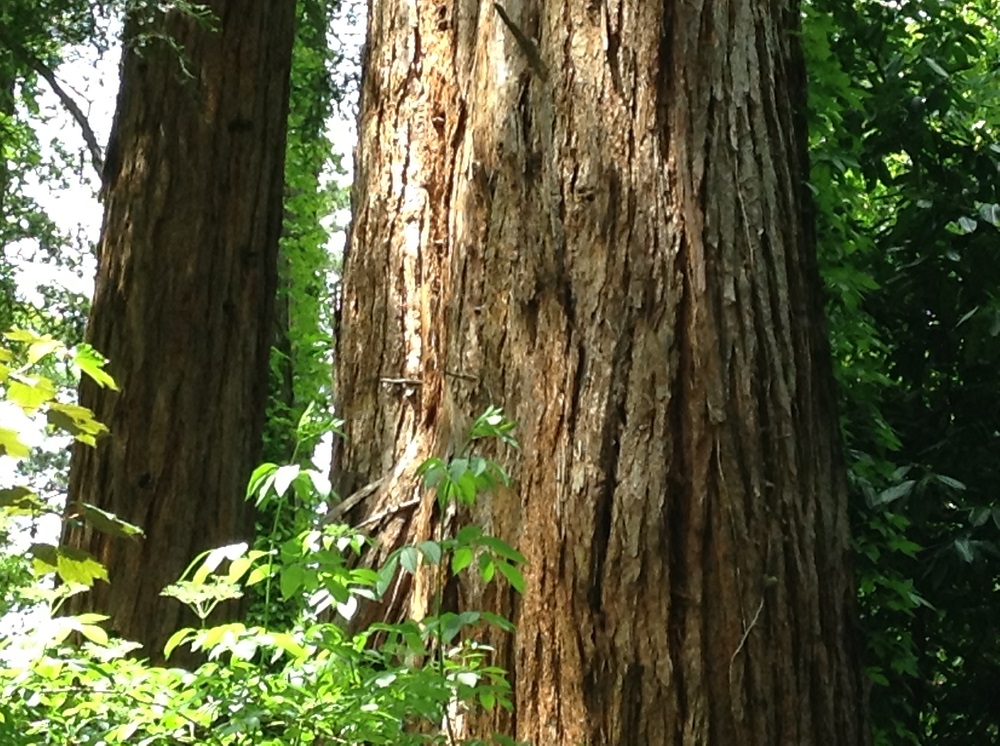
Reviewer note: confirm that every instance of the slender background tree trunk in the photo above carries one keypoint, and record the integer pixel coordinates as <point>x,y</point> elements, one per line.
<point>609,236</point>
<point>183,302</point>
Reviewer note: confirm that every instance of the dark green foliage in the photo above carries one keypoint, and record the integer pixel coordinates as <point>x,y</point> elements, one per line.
<point>906,156</point>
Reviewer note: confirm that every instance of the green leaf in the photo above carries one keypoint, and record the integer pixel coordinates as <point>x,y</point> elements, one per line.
<point>433,471</point>
<point>176,639</point>
<point>257,478</point>
<point>75,420</point>
<point>225,635</point>
<point>950,482</point>
<point>990,213</point>
<point>122,733</point>
<point>498,621</point>
<point>95,634</point>
<point>20,500</point>
<point>90,362</point>
<point>893,493</point>
<point>44,346</point>
<point>283,477</point>
<point>487,567</point>
<point>75,566</point>
<point>259,573</point>
<point>877,677</point>
<point>386,574</point>
<point>933,65</point>
<point>468,534</point>
<point>291,580</point>
<point>431,550</point>
<point>964,549</point>
<point>461,559</point>
<point>979,516</point>
<point>513,575</point>
<point>11,444</point>
<point>966,225</point>
<point>457,467</point>
<point>409,559</point>
<point>238,567</point>
<point>502,549</point>
<point>286,642</point>
<point>466,485</point>
<point>451,625</point>
<point>102,520</point>
<point>216,557</point>
<point>45,557</point>
<point>30,393</point>
<point>23,335</point>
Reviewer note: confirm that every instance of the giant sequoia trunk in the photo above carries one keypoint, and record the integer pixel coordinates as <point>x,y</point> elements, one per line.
<point>607,234</point>
<point>182,307</point>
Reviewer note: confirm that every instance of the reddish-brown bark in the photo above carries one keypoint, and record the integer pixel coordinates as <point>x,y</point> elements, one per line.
<point>616,249</point>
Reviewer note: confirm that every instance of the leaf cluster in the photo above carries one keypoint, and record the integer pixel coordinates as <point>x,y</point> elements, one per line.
<point>309,682</point>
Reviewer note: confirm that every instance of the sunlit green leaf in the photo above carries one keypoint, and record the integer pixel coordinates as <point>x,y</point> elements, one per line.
<point>11,444</point>
<point>258,476</point>
<point>177,638</point>
<point>30,393</point>
<point>78,567</point>
<point>291,580</point>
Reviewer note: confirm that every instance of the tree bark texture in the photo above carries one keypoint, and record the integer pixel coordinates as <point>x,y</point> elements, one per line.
<point>183,302</point>
<point>606,232</point>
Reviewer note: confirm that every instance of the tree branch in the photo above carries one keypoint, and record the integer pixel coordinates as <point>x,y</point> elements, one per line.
<point>73,108</point>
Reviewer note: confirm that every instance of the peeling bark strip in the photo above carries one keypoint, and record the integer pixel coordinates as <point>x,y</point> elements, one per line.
<point>183,301</point>
<point>620,255</point>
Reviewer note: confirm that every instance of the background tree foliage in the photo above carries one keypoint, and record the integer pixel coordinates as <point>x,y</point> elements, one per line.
<point>34,40</point>
<point>906,155</point>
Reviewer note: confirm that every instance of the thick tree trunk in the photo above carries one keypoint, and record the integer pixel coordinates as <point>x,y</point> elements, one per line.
<point>608,235</point>
<point>183,303</point>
